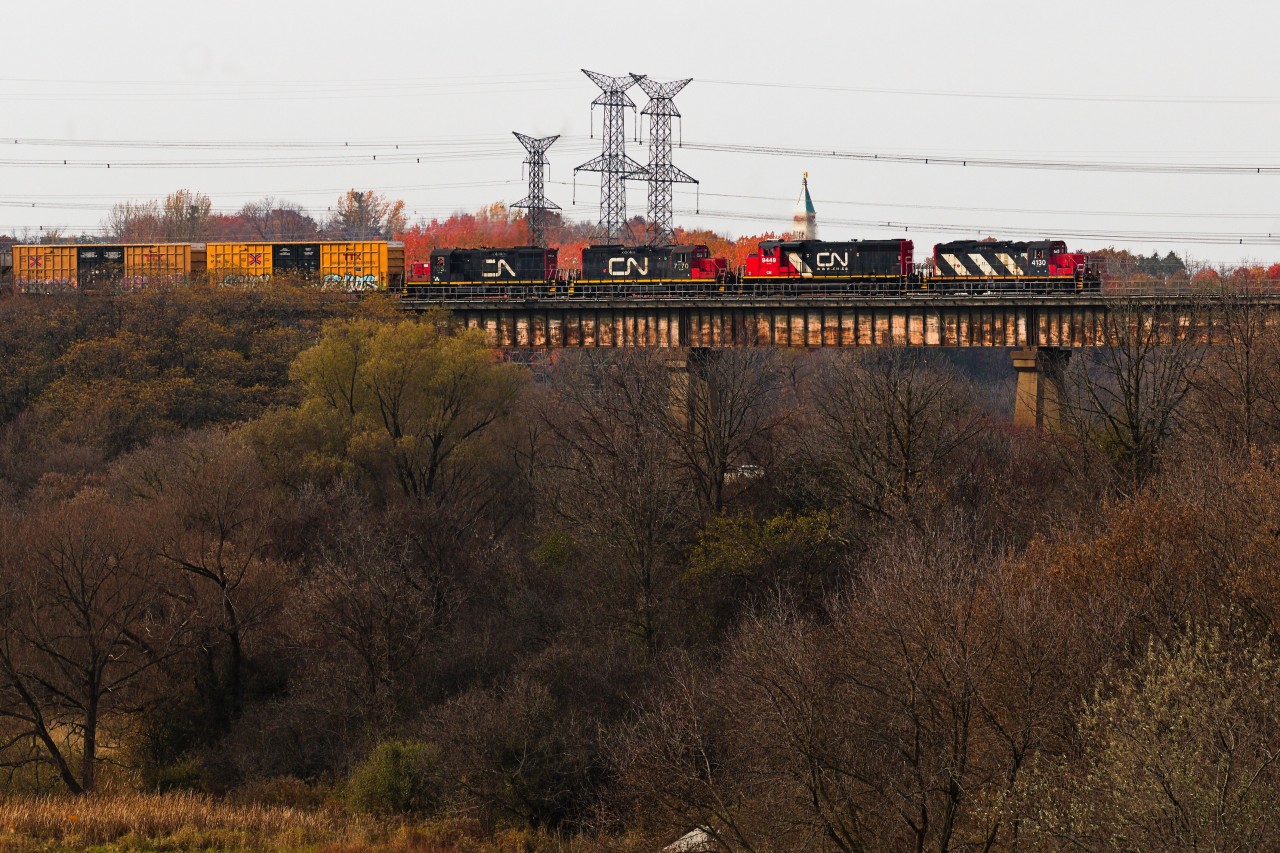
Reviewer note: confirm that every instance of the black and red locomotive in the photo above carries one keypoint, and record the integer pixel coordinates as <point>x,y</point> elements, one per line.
<point>820,264</point>
<point>779,267</point>
<point>606,265</point>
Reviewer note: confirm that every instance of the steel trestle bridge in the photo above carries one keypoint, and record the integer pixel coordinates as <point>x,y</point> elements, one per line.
<point>1041,331</point>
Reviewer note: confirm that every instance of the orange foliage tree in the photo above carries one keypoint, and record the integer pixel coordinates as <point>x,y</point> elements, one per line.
<point>497,226</point>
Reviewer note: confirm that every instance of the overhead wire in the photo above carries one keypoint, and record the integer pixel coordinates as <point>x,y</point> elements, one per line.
<point>1120,98</point>
<point>457,149</point>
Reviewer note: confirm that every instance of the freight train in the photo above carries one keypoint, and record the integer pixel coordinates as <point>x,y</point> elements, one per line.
<point>779,267</point>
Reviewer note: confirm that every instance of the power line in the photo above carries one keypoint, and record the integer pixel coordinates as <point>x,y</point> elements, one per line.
<point>464,149</point>
<point>1217,100</point>
<point>906,228</point>
<point>971,208</point>
<point>989,162</point>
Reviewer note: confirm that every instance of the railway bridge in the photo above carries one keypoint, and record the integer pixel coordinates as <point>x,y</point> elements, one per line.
<point>1040,331</point>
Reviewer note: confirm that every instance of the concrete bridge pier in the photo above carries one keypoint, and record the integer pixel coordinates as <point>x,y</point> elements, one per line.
<point>690,391</point>
<point>1038,400</point>
<point>681,384</point>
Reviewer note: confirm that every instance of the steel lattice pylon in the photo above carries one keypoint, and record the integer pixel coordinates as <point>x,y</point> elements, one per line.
<point>661,174</point>
<point>536,201</point>
<point>613,164</point>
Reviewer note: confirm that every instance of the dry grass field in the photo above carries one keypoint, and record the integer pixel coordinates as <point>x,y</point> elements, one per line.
<point>190,822</point>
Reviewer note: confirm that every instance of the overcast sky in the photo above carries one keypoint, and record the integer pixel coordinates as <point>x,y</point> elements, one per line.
<point>241,100</point>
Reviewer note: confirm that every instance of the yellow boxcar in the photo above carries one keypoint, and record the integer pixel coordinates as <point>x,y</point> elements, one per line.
<point>357,265</point>
<point>156,264</point>
<point>238,263</point>
<point>43,268</point>
<point>347,265</point>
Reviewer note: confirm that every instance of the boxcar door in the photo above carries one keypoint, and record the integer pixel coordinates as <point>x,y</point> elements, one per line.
<point>99,267</point>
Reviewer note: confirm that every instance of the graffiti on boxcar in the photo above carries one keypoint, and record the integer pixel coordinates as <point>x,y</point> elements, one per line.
<point>51,285</point>
<point>334,281</point>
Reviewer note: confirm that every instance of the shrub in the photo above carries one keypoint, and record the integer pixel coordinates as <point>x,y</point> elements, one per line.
<point>398,777</point>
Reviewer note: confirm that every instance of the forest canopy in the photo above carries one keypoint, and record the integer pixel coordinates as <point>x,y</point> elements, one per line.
<point>271,547</point>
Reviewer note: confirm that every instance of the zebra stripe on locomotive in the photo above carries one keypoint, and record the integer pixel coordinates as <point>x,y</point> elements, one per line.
<point>1014,263</point>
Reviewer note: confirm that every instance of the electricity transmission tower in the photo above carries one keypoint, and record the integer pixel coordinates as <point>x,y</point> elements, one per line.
<point>613,164</point>
<point>536,201</point>
<point>661,109</point>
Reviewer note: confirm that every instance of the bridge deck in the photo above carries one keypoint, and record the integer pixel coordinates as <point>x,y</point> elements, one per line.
<point>1003,320</point>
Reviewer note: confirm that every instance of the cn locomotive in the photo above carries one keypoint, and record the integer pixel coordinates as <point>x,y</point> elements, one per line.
<point>779,267</point>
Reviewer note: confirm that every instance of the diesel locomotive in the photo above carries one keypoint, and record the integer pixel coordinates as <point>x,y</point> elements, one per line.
<point>975,263</point>
<point>779,267</point>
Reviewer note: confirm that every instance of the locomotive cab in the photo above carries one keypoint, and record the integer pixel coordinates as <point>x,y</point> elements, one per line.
<point>1064,264</point>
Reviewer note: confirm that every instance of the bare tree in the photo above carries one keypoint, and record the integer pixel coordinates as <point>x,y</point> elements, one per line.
<point>212,514</point>
<point>610,474</point>
<point>85,615</point>
<point>903,721</point>
<point>733,402</point>
<point>369,611</point>
<point>135,222</point>
<point>276,219</point>
<point>185,215</point>
<point>1236,394</point>
<point>886,424</point>
<point>1124,399</point>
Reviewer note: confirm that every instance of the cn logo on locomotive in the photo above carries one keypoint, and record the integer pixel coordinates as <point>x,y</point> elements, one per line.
<point>498,265</point>
<point>624,266</point>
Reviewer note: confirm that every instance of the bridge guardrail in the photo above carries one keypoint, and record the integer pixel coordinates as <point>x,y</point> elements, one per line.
<point>694,289</point>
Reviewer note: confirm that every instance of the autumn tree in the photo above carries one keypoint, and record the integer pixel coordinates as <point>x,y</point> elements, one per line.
<point>185,216</point>
<point>1181,753</point>
<point>411,401</point>
<point>366,215</point>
